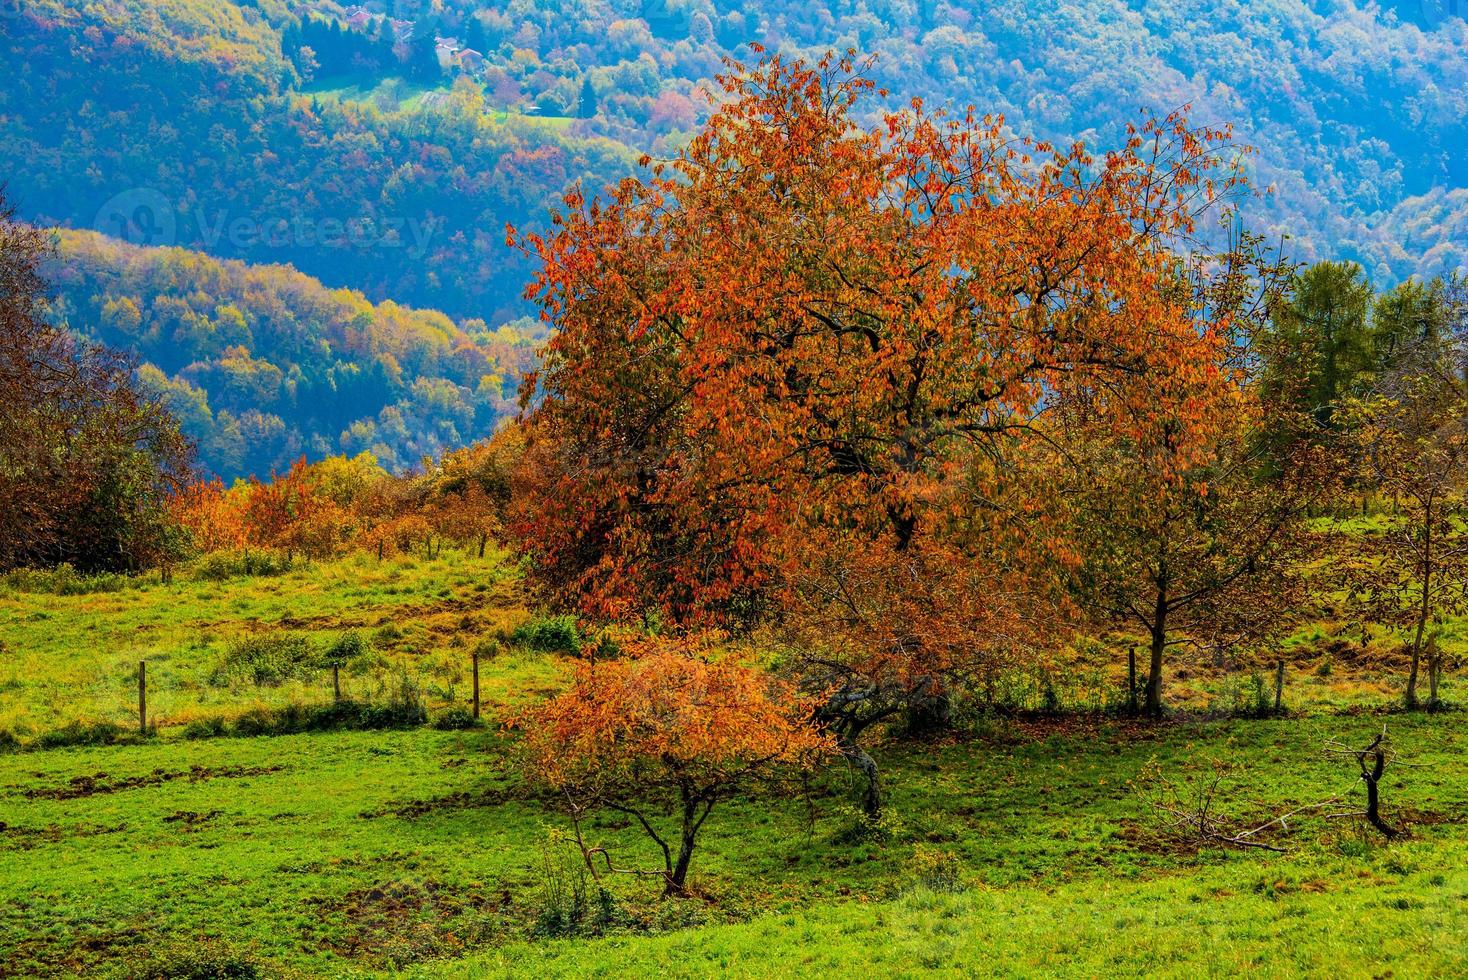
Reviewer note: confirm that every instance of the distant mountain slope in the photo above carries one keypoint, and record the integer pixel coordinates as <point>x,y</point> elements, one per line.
<point>136,120</point>
<point>364,151</point>
<point>190,113</point>
<point>1359,109</point>
<point>263,363</point>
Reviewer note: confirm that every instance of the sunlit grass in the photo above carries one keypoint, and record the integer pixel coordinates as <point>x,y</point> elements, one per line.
<point>363,851</point>
<point>75,657</point>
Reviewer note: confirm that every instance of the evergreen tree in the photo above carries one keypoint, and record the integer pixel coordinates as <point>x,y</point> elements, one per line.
<point>1320,340</point>
<point>384,53</point>
<point>474,36</point>
<point>423,63</point>
<point>586,105</point>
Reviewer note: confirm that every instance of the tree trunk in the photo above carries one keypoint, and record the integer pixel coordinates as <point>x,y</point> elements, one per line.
<point>871,796</point>
<point>1154,675</point>
<point>1373,799</point>
<point>1159,646</point>
<point>692,821</point>
<point>1434,673</point>
<point>1423,611</point>
<point>483,540</point>
<point>931,711</point>
<point>1131,680</point>
<point>678,880</point>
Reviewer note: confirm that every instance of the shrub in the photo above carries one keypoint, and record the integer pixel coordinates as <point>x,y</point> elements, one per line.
<point>455,720</point>
<point>387,634</point>
<point>549,634</point>
<point>62,580</point>
<point>404,709</point>
<point>199,959</point>
<point>8,741</point>
<point>935,869</point>
<point>347,650</point>
<point>221,565</point>
<point>854,826</point>
<point>267,659</point>
<point>80,733</point>
<point>570,903</point>
<point>205,728</point>
<point>487,648</point>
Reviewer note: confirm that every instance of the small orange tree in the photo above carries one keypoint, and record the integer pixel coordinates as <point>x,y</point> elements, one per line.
<point>670,727</point>
<point>467,517</point>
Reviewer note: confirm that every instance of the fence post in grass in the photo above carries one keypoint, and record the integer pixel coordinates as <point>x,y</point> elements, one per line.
<point>143,697</point>
<point>1131,680</point>
<point>1278,685</point>
<point>475,658</point>
<point>336,683</point>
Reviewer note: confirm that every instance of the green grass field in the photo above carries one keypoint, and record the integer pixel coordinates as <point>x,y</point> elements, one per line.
<point>1016,846</point>
<point>75,657</point>
<point>396,94</point>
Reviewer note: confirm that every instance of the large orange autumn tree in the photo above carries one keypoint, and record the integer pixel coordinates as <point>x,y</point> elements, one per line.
<point>790,368</point>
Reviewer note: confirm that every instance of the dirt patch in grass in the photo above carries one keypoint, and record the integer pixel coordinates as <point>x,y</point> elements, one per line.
<point>413,809</point>
<point>418,613</point>
<point>190,819</point>
<point>80,955</point>
<point>100,783</point>
<point>1140,836</point>
<point>25,838</point>
<point>402,922</point>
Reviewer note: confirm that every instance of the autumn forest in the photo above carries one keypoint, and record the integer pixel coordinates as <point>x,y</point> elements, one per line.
<point>552,490</point>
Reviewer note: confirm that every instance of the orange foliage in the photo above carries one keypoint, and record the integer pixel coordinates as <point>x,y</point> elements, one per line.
<point>671,718</point>
<point>212,516</point>
<point>319,509</point>
<point>803,328</point>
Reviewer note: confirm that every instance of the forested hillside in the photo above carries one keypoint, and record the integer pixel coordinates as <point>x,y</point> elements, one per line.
<point>262,364</point>
<point>177,124</point>
<point>1357,111</point>
<point>363,145</point>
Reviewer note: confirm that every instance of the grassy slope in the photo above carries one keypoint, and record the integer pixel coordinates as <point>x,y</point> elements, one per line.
<point>1323,918</point>
<point>400,94</point>
<point>66,658</point>
<point>368,851</point>
<point>75,657</point>
<point>361,852</point>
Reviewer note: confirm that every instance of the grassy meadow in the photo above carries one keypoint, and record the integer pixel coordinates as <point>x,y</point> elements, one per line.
<point>1020,843</point>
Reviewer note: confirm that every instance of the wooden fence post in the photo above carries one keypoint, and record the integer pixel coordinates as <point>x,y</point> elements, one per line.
<point>143,697</point>
<point>1131,680</point>
<point>476,683</point>
<point>1278,686</point>
<point>336,683</point>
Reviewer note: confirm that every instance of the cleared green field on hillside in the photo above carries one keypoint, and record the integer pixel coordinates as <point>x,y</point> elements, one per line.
<point>1016,845</point>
